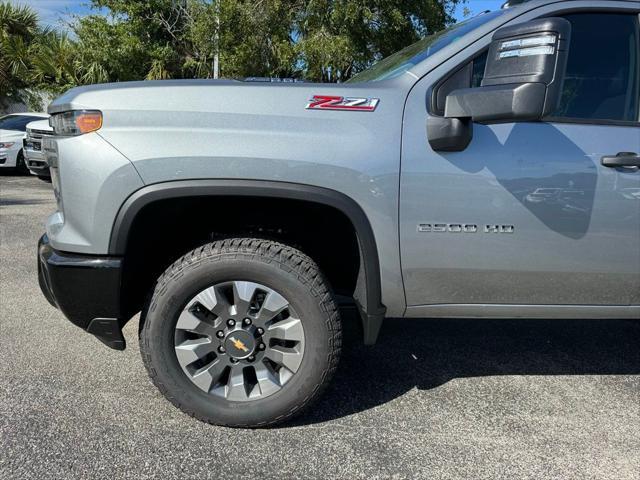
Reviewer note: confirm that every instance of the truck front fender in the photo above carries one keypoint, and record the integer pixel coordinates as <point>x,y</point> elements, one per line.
<point>368,288</point>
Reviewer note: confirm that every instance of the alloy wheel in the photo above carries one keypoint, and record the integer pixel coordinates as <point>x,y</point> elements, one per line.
<point>239,340</point>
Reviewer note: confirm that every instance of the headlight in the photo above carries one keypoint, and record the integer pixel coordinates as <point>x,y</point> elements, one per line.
<point>7,144</point>
<point>76,122</point>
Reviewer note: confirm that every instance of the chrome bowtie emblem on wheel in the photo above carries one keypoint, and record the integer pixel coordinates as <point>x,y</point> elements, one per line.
<point>331,102</point>
<point>238,344</point>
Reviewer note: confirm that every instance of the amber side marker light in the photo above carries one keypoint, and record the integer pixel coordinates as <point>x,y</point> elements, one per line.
<point>76,122</point>
<point>89,121</point>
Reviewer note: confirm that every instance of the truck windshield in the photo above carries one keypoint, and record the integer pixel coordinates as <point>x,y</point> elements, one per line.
<point>398,63</point>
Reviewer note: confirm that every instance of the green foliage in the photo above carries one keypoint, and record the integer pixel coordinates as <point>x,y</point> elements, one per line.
<point>36,59</point>
<point>319,40</point>
<point>18,29</point>
<point>339,38</point>
<point>256,38</point>
<point>111,46</point>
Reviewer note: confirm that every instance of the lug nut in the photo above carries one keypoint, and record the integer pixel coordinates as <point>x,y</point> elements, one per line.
<point>221,349</point>
<point>260,331</point>
<point>219,334</point>
<point>261,346</point>
<point>251,358</point>
<point>246,321</point>
<point>231,322</point>
<point>233,360</point>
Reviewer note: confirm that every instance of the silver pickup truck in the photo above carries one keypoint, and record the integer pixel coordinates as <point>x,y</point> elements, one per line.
<point>490,170</point>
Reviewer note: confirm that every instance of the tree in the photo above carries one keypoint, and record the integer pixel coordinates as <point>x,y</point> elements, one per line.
<point>320,40</point>
<point>338,38</point>
<point>58,64</point>
<point>35,60</point>
<point>18,29</point>
<point>256,38</point>
<point>112,46</point>
<point>188,38</point>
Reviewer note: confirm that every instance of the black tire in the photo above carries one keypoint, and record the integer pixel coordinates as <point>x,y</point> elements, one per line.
<point>21,165</point>
<point>272,264</point>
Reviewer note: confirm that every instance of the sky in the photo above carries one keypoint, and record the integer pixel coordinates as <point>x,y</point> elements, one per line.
<point>56,12</point>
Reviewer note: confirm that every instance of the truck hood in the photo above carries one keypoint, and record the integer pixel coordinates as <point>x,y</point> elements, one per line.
<point>173,130</point>
<point>40,125</point>
<point>217,96</point>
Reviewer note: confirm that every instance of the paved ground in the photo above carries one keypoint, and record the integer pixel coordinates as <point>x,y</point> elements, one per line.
<point>435,399</point>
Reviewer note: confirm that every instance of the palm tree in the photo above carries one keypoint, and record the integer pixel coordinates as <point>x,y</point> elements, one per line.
<point>17,20</point>
<point>57,64</point>
<point>35,59</point>
<point>18,28</point>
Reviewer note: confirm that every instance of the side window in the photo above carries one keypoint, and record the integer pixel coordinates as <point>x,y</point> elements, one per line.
<point>469,75</point>
<point>602,79</point>
<point>478,69</point>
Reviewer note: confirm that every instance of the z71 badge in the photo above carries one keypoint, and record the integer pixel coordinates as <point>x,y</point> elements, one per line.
<point>330,102</point>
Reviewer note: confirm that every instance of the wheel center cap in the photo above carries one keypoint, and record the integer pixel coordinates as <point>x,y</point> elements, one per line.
<point>239,344</point>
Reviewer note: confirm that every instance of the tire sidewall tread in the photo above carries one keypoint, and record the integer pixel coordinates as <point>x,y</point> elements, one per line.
<point>299,274</point>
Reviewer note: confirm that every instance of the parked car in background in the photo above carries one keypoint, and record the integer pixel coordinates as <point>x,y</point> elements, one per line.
<point>32,148</point>
<point>12,132</point>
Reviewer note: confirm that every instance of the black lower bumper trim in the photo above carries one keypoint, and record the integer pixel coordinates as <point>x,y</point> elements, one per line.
<point>41,169</point>
<point>108,331</point>
<point>86,288</point>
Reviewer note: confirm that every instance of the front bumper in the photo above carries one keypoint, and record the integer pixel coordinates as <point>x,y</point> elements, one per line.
<point>38,167</point>
<point>86,289</point>
<point>35,160</point>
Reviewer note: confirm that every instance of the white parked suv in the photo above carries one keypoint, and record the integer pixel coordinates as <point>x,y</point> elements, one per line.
<point>32,148</point>
<point>12,132</point>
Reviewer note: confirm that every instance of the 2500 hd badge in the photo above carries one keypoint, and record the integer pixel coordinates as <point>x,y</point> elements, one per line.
<point>464,228</point>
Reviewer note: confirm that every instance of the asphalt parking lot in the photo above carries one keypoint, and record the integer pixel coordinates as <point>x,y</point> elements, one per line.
<point>434,399</point>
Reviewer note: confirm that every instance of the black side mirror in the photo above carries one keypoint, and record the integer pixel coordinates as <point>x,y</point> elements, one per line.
<point>523,77</point>
<point>523,81</point>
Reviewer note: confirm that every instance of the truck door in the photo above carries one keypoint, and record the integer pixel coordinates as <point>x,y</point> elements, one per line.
<point>528,214</point>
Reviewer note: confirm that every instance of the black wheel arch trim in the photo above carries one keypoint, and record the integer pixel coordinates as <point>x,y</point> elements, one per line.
<point>368,293</point>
